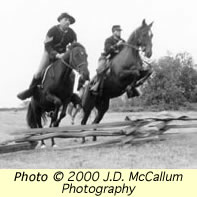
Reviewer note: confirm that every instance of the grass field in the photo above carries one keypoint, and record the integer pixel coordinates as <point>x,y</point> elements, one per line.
<point>176,152</point>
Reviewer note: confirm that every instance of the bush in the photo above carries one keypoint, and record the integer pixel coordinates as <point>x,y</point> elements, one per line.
<point>173,84</point>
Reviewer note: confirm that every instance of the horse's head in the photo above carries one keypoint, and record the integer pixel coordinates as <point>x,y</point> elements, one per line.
<point>142,38</point>
<point>145,38</point>
<point>78,60</point>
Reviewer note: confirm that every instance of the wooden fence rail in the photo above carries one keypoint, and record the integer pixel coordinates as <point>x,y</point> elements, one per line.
<point>123,132</point>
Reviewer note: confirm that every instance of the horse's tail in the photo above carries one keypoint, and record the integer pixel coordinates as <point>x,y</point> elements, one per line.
<point>34,116</point>
<point>31,116</point>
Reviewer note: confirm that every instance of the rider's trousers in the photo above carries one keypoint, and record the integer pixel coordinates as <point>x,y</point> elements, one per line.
<point>44,63</point>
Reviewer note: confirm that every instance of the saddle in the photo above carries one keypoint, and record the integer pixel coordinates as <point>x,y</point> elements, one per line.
<point>44,74</point>
<point>96,84</point>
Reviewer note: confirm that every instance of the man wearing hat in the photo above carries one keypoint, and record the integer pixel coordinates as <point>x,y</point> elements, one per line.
<point>57,39</point>
<point>113,45</point>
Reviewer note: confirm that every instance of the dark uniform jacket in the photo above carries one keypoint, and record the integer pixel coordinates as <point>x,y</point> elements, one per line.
<point>57,40</point>
<point>111,48</point>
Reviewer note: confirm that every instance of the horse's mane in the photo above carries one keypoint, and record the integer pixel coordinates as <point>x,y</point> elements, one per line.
<point>75,44</point>
<point>134,36</point>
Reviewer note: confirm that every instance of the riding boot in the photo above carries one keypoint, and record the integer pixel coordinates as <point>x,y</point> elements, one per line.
<point>29,92</point>
<point>102,68</point>
<point>95,86</point>
<point>132,92</point>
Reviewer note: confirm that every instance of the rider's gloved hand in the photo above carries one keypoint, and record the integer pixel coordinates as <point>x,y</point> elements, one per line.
<point>120,42</point>
<point>59,55</point>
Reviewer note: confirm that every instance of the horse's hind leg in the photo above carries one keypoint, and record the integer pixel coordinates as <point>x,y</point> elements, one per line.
<point>39,123</point>
<point>88,103</point>
<point>87,108</point>
<point>102,106</point>
<point>70,109</point>
<point>42,145</point>
<point>86,114</point>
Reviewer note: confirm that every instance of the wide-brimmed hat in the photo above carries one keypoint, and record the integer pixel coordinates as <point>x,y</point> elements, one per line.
<point>66,15</point>
<point>116,28</point>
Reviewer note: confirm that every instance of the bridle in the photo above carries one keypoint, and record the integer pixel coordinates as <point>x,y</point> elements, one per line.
<point>70,64</point>
<point>132,46</point>
<point>137,48</point>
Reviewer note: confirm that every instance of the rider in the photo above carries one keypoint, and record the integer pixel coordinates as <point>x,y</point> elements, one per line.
<point>57,39</point>
<point>113,45</point>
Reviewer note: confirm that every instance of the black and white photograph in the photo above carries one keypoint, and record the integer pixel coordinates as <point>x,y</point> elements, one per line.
<point>98,84</point>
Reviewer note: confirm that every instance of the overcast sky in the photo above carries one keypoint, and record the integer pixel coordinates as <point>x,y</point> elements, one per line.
<point>24,24</point>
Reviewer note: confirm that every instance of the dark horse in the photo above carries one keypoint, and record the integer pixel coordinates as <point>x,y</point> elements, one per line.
<point>125,69</point>
<point>57,88</point>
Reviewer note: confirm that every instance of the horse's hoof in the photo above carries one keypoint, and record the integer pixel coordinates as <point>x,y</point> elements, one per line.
<point>43,146</point>
<point>54,146</point>
<point>83,141</point>
<point>56,124</point>
<point>94,138</point>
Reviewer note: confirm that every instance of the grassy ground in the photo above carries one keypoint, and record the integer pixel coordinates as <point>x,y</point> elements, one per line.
<point>174,152</point>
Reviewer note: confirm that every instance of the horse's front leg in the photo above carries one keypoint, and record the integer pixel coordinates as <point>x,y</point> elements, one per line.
<point>129,73</point>
<point>130,77</point>
<point>144,75</point>
<point>62,115</point>
<point>57,102</point>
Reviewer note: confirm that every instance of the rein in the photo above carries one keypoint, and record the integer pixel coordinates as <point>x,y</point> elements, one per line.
<point>132,46</point>
<point>71,63</point>
<point>66,64</point>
